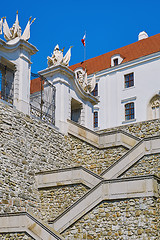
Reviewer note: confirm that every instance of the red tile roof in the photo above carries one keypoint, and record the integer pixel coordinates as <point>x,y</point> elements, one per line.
<point>35,85</point>
<point>130,52</point>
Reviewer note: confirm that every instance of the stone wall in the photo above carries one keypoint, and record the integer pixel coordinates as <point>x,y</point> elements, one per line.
<point>147,165</point>
<point>88,156</point>
<point>26,146</point>
<point>53,201</point>
<point>140,129</point>
<point>15,236</point>
<point>25,139</point>
<point>121,219</point>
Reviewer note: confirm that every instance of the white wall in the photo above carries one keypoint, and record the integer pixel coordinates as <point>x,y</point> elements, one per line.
<point>113,94</point>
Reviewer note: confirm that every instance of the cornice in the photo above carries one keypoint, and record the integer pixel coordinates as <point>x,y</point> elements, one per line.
<point>132,63</point>
<point>50,71</point>
<point>18,43</point>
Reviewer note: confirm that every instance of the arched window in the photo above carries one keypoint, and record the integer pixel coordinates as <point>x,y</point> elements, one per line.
<point>155,106</point>
<point>129,111</point>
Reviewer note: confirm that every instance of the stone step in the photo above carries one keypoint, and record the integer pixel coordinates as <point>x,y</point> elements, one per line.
<point>27,223</point>
<point>102,140</point>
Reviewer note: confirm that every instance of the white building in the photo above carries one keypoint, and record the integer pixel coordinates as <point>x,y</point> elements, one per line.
<point>127,86</point>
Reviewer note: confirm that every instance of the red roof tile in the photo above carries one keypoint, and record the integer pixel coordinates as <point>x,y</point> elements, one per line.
<point>130,52</point>
<point>35,85</point>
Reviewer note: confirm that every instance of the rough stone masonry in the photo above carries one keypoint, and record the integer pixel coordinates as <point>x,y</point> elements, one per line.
<point>28,146</point>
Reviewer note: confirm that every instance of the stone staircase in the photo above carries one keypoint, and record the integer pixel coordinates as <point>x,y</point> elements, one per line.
<point>146,146</point>
<point>102,140</point>
<point>27,223</point>
<point>107,186</point>
<point>134,187</point>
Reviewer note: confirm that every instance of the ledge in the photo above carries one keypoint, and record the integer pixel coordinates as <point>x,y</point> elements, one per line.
<point>102,140</point>
<point>129,121</point>
<point>17,42</point>
<point>25,222</point>
<point>68,176</point>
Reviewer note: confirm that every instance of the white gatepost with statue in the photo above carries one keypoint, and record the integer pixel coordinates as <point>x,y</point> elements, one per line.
<point>15,64</point>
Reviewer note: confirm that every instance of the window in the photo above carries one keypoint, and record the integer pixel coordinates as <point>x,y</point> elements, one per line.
<point>129,111</point>
<point>76,111</point>
<point>95,119</point>
<point>153,109</point>
<point>115,61</point>
<point>155,104</point>
<point>155,112</point>
<point>95,91</point>
<point>129,80</point>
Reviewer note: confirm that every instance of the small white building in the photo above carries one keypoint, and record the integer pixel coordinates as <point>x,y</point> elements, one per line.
<point>15,68</point>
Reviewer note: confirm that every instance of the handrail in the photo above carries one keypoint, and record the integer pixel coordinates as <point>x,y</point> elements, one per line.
<point>146,186</point>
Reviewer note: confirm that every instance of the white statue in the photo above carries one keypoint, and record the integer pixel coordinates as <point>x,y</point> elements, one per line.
<point>26,33</point>
<point>67,57</point>
<point>1,24</point>
<point>6,31</point>
<point>87,85</point>
<point>57,57</point>
<point>15,30</point>
<point>80,77</point>
<point>92,83</point>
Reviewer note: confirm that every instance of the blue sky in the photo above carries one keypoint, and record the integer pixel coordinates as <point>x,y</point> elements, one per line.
<point>108,25</point>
